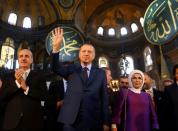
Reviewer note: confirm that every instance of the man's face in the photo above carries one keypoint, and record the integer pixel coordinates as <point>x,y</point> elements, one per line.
<point>123,82</point>
<point>86,54</point>
<point>25,59</point>
<point>147,82</point>
<point>108,76</point>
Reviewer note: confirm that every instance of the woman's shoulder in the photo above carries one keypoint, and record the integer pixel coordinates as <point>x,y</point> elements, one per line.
<point>144,93</point>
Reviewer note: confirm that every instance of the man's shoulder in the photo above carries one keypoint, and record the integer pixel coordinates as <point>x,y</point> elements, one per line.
<point>99,71</point>
<point>172,87</point>
<point>97,68</point>
<point>38,75</point>
<point>157,91</point>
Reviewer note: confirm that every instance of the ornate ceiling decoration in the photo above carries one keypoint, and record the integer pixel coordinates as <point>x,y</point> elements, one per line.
<point>66,3</point>
<point>85,15</point>
<point>29,8</point>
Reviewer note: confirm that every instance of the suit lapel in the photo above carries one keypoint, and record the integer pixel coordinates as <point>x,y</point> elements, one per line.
<point>29,77</point>
<point>80,72</point>
<point>92,75</point>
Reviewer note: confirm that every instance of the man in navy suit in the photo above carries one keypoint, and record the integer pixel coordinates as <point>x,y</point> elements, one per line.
<point>85,105</point>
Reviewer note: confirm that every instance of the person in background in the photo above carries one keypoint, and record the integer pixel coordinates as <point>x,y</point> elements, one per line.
<point>22,91</point>
<point>123,82</point>
<point>111,94</point>
<point>134,110</point>
<point>108,75</point>
<point>85,104</point>
<point>171,105</point>
<point>56,92</point>
<point>1,109</point>
<point>167,82</point>
<point>157,98</point>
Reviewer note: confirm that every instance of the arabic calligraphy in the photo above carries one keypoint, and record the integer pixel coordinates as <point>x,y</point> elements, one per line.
<point>161,21</point>
<point>70,46</point>
<point>176,11</point>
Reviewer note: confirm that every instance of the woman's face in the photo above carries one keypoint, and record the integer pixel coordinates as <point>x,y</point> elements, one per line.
<point>137,80</point>
<point>176,74</point>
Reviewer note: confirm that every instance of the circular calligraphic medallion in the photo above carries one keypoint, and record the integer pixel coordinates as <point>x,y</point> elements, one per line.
<point>70,46</point>
<point>161,21</point>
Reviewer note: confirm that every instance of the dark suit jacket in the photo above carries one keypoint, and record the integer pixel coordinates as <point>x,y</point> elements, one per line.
<point>2,106</point>
<point>171,106</point>
<point>159,100</point>
<point>56,93</point>
<point>93,95</point>
<point>21,107</point>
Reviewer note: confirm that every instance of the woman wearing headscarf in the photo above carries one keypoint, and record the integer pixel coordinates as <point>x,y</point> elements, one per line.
<point>134,109</point>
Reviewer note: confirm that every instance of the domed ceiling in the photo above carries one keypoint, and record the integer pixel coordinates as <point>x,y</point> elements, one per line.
<point>85,15</point>
<point>116,17</point>
<point>53,10</point>
<point>29,8</point>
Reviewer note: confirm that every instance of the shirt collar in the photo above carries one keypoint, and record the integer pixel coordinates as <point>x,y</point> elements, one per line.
<point>88,66</point>
<point>151,90</point>
<point>27,71</point>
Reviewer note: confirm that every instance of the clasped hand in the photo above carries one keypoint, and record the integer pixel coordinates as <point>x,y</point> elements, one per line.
<point>19,77</point>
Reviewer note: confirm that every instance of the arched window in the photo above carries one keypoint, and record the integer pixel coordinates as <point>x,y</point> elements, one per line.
<point>126,64</point>
<point>12,19</point>
<point>123,31</point>
<point>148,59</point>
<point>27,22</point>
<point>142,21</point>
<point>134,27</point>
<point>7,53</point>
<point>100,31</point>
<point>103,62</point>
<point>111,32</point>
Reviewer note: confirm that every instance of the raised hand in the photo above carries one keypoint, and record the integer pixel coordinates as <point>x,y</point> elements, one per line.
<point>57,37</point>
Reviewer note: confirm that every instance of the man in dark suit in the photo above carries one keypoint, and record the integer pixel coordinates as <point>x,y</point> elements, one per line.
<point>53,105</point>
<point>157,98</point>
<point>23,91</point>
<point>1,109</point>
<point>85,105</point>
<point>171,104</point>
